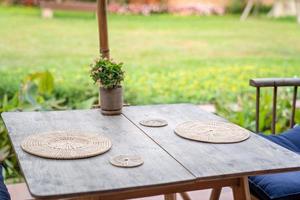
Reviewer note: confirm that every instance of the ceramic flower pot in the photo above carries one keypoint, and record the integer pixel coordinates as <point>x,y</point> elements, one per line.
<point>111,101</point>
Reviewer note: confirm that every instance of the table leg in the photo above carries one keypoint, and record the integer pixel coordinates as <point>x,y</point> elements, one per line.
<point>185,196</point>
<point>241,191</point>
<point>215,194</point>
<point>170,196</point>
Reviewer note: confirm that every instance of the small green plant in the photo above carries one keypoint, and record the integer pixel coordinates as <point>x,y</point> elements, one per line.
<point>107,73</point>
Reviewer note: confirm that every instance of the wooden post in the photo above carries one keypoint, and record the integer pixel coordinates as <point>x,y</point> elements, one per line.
<point>102,26</point>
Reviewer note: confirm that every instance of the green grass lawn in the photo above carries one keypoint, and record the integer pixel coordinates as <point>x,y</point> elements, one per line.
<point>167,58</point>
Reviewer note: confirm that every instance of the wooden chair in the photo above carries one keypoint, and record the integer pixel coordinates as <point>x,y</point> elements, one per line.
<point>273,83</point>
<point>283,186</point>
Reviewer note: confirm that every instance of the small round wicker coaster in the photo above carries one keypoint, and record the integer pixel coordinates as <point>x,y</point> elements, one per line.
<point>127,161</point>
<point>66,145</point>
<point>212,132</point>
<point>154,122</point>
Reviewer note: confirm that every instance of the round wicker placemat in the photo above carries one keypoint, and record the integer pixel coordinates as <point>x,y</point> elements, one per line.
<point>127,161</point>
<point>154,122</point>
<point>66,145</point>
<point>212,132</point>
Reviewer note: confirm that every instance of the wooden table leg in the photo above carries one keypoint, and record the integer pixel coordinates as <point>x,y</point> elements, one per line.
<point>185,196</point>
<point>215,194</point>
<point>241,191</point>
<point>170,196</point>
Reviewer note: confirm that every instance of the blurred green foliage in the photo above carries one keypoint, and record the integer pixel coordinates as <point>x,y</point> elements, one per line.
<point>167,58</point>
<point>242,111</point>
<point>237,7</point>
<point>34,94</point>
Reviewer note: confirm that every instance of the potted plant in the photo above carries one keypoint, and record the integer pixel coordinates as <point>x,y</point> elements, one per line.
<point>109,75</point>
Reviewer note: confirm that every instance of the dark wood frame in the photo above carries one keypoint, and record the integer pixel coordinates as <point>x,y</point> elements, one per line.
<point>275,83</point>
<point>239,186</point>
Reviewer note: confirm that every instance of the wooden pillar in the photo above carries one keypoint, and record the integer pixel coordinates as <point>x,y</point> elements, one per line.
<point>102,26</point>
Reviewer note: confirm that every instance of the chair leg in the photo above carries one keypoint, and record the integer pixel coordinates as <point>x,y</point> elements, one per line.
<point>170,196</point>
<point>241,191</point>
<point>215,194</point>
<point>185,196</point>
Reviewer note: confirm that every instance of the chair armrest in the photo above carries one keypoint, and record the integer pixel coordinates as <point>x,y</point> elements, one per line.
<point>274,82</point>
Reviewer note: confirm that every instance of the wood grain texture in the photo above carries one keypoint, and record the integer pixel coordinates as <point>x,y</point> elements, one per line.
<point>102,28</point>
<point>49,178</point>
<point>206,161</point>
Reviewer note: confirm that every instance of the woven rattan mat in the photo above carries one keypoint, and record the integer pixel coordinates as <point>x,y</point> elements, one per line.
<point>66,145</point>
<point>212,132</point>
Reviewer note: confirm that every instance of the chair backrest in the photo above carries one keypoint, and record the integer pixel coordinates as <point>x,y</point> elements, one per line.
<point>275,83</point>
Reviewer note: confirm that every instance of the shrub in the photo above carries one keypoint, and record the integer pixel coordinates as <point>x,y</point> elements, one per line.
<point>236,6</point>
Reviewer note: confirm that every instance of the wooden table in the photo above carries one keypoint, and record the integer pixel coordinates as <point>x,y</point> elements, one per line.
<point>171,164</point>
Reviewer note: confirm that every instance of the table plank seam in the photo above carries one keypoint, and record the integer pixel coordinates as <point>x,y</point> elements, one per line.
<point>160,146</point>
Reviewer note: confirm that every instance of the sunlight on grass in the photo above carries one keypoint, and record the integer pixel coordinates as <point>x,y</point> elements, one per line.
<point>167,58</point>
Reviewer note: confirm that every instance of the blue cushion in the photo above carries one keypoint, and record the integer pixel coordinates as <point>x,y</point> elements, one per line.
<point>289,139</point>
<point>282,186</point>
<point>3,190</point>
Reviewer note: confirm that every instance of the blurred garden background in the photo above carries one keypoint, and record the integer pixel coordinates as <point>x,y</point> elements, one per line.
<point>199,54</point>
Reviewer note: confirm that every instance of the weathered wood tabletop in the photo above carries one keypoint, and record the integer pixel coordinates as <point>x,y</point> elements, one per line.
<point>253,156</point>
<point>171,163</point>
